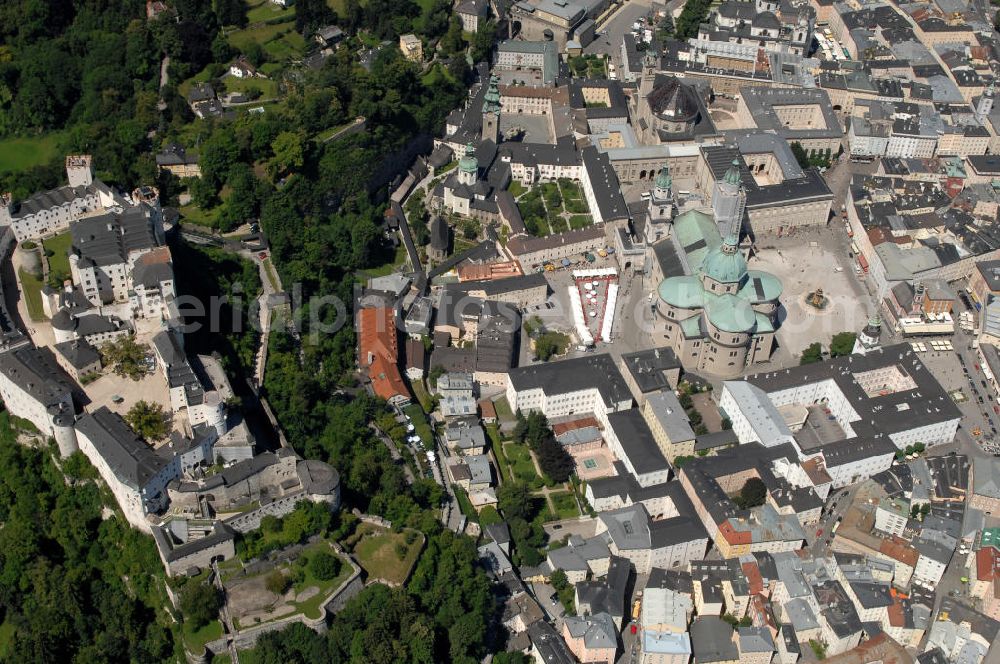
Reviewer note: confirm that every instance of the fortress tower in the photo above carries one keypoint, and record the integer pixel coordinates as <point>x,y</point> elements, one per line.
<point>79,170</point>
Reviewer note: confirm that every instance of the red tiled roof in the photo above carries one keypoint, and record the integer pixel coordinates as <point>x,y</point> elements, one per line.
<point>386,380</point>
<point>581,423</point>
<point>487,410</point>
<point>987,564</point>
<point>899,550</point>
<point>378,351</point>
<point>754,579</point>
<point>896,617</point>
<point>734,536</point>
<point>158,255</point>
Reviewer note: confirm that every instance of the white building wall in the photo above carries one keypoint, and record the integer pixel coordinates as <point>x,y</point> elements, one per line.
<point>911,147</point>
<point>54,219</point>
<point>889,522</point>
<point>135,502</point>
<point>856,471</point>
<point>21,404</point>
<point>933,434</point>
<point>928,570</point>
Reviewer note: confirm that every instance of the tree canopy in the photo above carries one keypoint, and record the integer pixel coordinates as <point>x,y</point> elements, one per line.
<point>446,613</point>
<point>812,354</point>
<point>200,602</point>
<point>842,344</point>
<point>753,494</point>
<point>535,432</point>
<point>73,586</point>
<point>148,420</point>
<point>125,356</point>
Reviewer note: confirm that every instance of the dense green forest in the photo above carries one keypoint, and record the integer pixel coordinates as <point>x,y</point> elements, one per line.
<point>74,587</point>
<point>228,285</point>
<point>444,614</point>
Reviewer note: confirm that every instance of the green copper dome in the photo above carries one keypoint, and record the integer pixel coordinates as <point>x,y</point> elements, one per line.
<point>491,102</point>
<point>761,287</point>
<point>468,163</point>
<point>683,292</point>
<point>725,264</point>
<point>663,180</point>
<point>730,313</point>
<point>732,175</point>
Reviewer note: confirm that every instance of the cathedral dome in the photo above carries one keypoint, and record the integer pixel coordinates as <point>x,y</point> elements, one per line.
<point>725,264</point>
<point>766,21</point>
<point>672,100</point>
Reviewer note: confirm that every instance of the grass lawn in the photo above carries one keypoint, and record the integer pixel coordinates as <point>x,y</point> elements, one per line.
<point>272,69</point>
<point>422,429</point>
<point>290,45</point>
<point>494,435</point>
<point>503,409</point>
<point>435,74</point>
<point>268,88</point>
<point>377,553</point>
<point>520,466</point>
<point>565,505</point>
<point>551,196</point>
<point>17,154</point>
<point>423,397</point>
<point>572,195</point>
<point>537,226</point>
<point>6,634</point>
<point>267,10</point>
<point>248,657</point>
<point>196,215</point>
<point>311,607</point>
<point>516,188</point>
<point>260,33</point>
<point>31,290</point>
<point>227,568</point>
<point>461,244</point>
<point>201,77</point>
<point>59,246</point>
<point>224,658</point>
<point>326,134</point>
<point>338,6</point>
<point>569,188</point>
<point>272,276</point>
<point>388,268</point>
<point>196,640</point>
<point>557,223</point>
<point>447,167</point>
<point>578,221</point>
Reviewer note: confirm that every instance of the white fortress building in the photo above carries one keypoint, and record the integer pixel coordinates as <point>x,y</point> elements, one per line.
<point>106,249</point>
<point>52,211</point>
<point>35,388</point>
<point>136,474</point>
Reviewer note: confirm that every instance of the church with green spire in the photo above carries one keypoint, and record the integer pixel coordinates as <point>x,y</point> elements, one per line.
<point>491,111</point>
<point>718,315</point>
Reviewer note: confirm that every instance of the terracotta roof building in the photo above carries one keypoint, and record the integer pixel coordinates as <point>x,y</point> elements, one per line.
<point>378,353</point>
